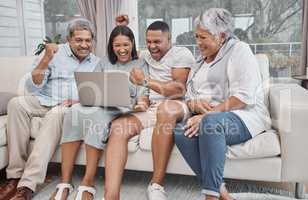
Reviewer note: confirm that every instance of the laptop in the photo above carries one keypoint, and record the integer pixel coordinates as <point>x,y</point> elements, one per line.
<point>104,89</point>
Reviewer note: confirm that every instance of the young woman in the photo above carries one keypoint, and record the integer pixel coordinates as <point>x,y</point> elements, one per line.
<point>91,124</point>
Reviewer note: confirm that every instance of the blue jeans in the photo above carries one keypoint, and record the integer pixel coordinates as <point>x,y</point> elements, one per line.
<point>205,153</point>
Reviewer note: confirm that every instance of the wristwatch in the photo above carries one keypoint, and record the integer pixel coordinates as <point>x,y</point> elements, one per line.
<point>145,82</point>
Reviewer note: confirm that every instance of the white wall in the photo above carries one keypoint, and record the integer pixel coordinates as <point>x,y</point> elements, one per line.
<point>21,26</point>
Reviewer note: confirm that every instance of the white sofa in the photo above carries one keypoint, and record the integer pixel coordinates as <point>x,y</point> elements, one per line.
<point>279,155</point>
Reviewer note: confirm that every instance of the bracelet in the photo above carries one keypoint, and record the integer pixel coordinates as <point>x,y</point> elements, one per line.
<point>145,82</point>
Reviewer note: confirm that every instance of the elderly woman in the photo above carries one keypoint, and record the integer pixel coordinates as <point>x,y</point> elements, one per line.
<point>226,100</point>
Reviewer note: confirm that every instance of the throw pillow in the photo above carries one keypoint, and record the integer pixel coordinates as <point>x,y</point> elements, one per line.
<point>5,97</point>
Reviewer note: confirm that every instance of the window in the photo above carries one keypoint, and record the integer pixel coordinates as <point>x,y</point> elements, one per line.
<point>269,26</point>
<point>57,15</point>
<point>21,26</point>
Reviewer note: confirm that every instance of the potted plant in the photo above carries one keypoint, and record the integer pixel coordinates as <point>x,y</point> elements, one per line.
<point>281,64</point>
<point>40,47</point>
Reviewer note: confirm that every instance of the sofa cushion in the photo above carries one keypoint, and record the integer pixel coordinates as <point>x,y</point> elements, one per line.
<point>133,144</point>
<point>36,123</point>
<point>13,70</point>
<point>264,145</point>
<point>3,157</point>
<point>5,97</point>
<point>3,140</point>
<point>263,62</point>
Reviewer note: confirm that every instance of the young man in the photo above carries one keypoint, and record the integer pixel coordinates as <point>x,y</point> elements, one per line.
<point>168,68</point>
<point>53,89</point>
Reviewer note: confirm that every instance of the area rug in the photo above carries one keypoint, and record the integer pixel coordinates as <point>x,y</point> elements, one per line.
<point>178,187</point>
<point>255,196</point>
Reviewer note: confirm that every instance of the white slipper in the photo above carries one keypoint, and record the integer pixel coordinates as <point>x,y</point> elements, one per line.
<point>82,189</point>
<point>61,187</point>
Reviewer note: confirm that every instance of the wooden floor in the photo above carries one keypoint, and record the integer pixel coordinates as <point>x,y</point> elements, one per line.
<point>135,183</point>
<point>284,186</point>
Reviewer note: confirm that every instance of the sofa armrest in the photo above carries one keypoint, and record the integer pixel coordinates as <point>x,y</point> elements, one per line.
<point>289,114</point>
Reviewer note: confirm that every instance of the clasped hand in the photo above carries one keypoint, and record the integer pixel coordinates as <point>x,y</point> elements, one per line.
<point>137,76</point>
<point>142,104</point>
<point>192,125</point>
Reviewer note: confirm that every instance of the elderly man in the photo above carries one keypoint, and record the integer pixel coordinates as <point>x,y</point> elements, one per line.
<point>168,68</point>
<point>53,90</point>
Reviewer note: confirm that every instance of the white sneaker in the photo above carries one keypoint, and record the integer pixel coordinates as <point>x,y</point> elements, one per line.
<point>156,192</point>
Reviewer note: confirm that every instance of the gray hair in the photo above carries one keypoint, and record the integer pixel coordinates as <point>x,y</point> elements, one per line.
<point>80,24</point>
<point>216,21</point>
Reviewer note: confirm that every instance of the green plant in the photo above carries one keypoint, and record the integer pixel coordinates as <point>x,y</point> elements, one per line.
<point>40,47</point>
<point>187,38</point>
<point>279,60</point>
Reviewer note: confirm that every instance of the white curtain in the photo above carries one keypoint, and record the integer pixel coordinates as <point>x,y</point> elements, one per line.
<point>304,55</point>
<point>102,14</point>
<point>88,9</point>
<point>113,8</point>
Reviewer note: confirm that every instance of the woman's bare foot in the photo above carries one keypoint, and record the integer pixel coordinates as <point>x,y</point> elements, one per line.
<point>64,194</point>
<point>224,194</point>
<point>87,196</point>
<point>211,198</point>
